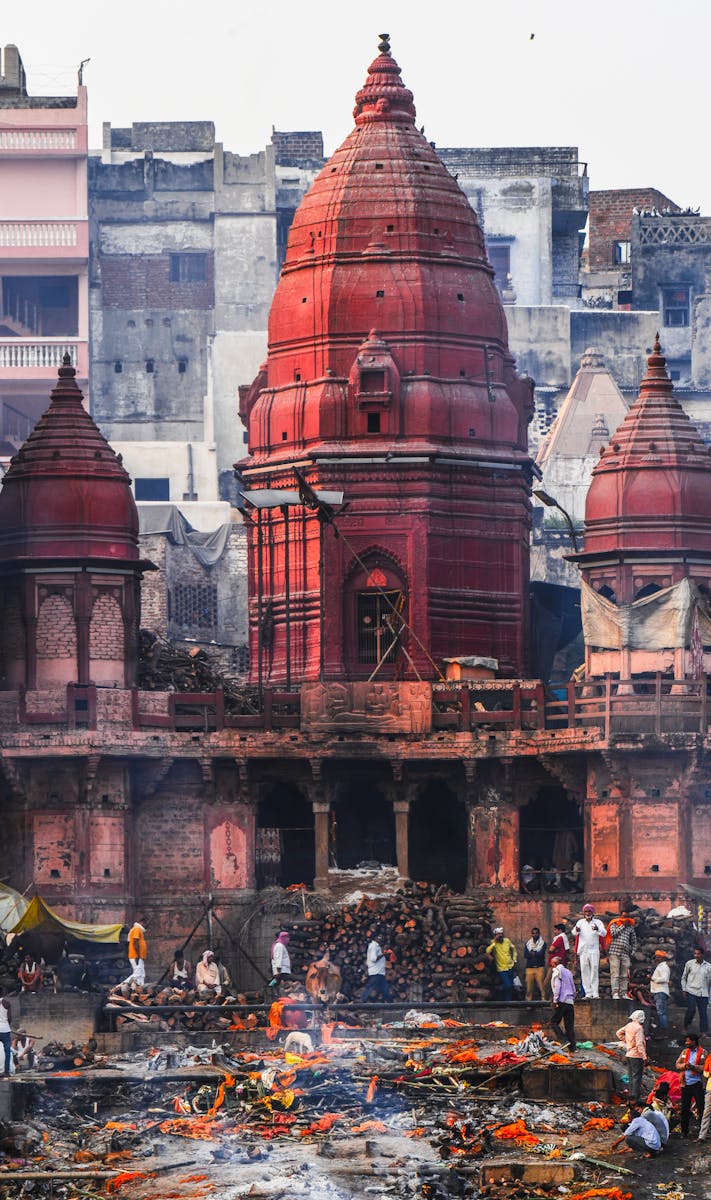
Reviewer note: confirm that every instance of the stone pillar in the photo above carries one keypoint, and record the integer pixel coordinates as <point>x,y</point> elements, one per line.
<point>322,815</point>
<point>401,809</point>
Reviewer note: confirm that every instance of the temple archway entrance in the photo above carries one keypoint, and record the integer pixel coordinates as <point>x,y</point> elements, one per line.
<point>285,838</point>
<point>363,826</point>
<point>551,842</point>
<point>438,837</point>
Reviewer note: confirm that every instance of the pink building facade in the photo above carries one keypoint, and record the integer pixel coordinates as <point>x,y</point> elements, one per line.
<point>44,246</point>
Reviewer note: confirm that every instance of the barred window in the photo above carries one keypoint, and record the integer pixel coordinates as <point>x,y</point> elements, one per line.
<point>193,605</point>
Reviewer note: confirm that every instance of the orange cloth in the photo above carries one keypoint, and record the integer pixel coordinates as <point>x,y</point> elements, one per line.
<point>136,942</point>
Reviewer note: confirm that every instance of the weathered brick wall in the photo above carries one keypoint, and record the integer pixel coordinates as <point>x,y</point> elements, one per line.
<point>56,629</point>
<point>297,146</point>
<point>143,281</point>
<point>106,640</point>
<point>611,218</point>
<point>154,595</point>
<point>113,707</point>
<point>170,841</point>
<point>47,700</point>
<point>154,702</point>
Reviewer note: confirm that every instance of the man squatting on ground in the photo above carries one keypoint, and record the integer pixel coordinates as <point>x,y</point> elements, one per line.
<point>648,1130</point>
<point>588,933</point>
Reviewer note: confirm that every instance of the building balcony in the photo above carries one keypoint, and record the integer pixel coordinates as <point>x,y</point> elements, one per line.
<point>41,239</point>
<point>43,142</point>
<point>39,358</point>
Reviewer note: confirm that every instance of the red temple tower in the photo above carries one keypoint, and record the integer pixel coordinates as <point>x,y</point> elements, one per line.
<point>68,555</point>
<point>388,378</point>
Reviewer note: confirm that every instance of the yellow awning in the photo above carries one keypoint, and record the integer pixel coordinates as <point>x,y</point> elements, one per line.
<point>38,913</point>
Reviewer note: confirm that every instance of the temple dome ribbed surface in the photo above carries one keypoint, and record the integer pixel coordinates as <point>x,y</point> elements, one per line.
<point>66,493</point>
<point>652,486</point>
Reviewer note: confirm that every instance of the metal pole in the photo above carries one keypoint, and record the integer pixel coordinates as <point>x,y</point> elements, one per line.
<point>259,606</point>
<point>287,596</point>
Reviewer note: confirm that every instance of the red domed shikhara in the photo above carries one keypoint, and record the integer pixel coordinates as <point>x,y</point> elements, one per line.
<point>66,494</point>
<point>652,486</point>
<point>389,377</point>
<point>386,240</point>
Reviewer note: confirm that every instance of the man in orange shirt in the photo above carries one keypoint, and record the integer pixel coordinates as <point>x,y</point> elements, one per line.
<point>137,951</point>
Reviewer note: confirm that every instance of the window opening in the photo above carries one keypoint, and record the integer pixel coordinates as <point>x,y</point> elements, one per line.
<point>193,605</point>
<point>675,305</point>
<point>153,489</point>
<point>376,625</point>
<point>188,268</point>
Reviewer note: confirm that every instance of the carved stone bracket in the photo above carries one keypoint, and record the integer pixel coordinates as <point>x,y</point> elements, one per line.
<point>570,772</point>
<point>207,769</point>
<point>397,768</point>
<point>151,775</point>
<point>91,770</point>
<point>619,772</point>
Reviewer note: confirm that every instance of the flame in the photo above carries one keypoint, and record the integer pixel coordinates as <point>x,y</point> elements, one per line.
<point>372,1086</point>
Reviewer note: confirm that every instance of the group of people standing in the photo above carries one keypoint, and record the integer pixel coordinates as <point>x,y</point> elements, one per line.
<point>588,942</point>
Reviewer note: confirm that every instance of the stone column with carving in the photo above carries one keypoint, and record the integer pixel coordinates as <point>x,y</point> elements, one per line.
<point>401,809</point>
<point>470,806</point>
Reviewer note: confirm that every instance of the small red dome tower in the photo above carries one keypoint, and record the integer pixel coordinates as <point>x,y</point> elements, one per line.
<point>68,554</point>
<point>647,537</point>
<point>389,377</point>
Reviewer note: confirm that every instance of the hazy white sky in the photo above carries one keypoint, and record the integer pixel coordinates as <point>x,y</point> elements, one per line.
<point>627,82</point>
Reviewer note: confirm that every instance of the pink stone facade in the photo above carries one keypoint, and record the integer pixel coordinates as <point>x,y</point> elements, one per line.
<point>44,245</point>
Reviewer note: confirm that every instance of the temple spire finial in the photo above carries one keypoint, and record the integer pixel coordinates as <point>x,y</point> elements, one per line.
<point>384,43</point>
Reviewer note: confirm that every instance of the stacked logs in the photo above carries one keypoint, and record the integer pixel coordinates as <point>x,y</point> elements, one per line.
<point>152,997</point>
<point>63,1056</point>
<point>437,939</point>
<point>164,667</point>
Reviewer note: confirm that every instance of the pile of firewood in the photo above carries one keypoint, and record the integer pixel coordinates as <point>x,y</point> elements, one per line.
<point>64,1056</point>
<point>164,667</point>
<point>437,940</point>
<point>196,1016</point>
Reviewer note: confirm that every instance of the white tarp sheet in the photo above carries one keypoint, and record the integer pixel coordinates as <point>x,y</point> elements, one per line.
<point>662,621</point>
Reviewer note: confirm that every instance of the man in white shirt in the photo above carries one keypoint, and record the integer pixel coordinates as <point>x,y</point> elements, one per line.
<point>696,986</point>
<point>659,987</point>
<point>588,932</point>
<point>376,963</point>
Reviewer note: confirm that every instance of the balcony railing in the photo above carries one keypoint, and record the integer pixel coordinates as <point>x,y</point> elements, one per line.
<point>19,354</point>
<point>31,234</point>
<point>38,139</point>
